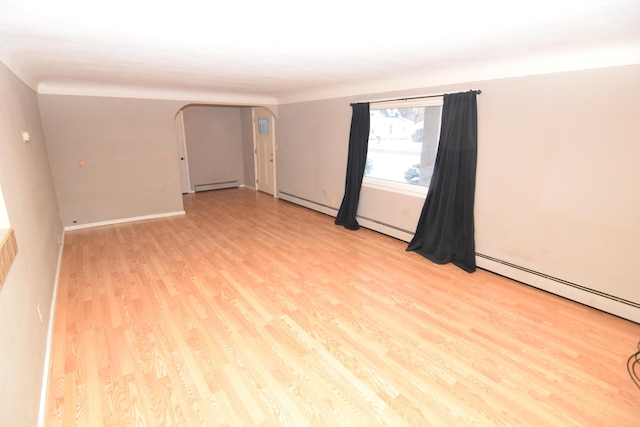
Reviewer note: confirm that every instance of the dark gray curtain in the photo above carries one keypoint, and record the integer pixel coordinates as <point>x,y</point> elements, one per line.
<point>445,231</point>
<point>356,162</point>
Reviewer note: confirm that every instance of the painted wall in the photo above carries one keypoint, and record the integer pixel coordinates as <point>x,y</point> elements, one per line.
<point>32,208</point>
<point>129,150</point>
<point>246,122</point>
<point>557,177</point>
<point>557,173</point>
<point>312,139</point>
<point>214,144</point>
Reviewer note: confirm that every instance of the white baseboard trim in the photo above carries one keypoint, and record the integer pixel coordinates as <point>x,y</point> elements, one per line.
<point>47,354</point>
<point>222,185</point>
<point>592,298</point>
<point>318,207</point>
<point>383,228</point>
<point>596,299</point>
<point>122,220</point>
<point>365,222</point>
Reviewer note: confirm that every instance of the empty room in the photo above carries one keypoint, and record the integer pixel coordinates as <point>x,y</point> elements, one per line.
<point>333,214</point>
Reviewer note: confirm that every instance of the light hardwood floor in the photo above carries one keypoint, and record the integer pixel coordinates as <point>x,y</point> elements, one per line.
<point>250,311</point>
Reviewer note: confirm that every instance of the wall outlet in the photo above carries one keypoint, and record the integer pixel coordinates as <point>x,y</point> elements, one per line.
<point>40,313</point>
<point>333,201</point>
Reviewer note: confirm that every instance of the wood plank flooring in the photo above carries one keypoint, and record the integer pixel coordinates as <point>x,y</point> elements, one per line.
<point>251,311</point>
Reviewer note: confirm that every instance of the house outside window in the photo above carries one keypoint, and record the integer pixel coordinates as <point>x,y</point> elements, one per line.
<point>403,143</point>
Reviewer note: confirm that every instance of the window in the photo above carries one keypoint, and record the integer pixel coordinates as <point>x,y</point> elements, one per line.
<point>403,142</point>
<point>8,245</point>
<point>263,125</point>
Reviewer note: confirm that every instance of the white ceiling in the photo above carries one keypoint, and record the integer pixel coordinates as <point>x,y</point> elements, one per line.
<point>286,50</point>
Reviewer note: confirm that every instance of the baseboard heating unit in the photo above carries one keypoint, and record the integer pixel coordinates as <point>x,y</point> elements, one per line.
<point>371,224</point>
<point>216,186</point>
<point>600,300</point>
<point>573,291</point>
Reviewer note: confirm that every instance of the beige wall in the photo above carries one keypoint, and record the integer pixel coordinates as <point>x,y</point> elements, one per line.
<point>222,142</point>
<point>29,196</point>
<point>312,139</point>
<point>214,144</point>
<point>246,122</point>
<point>130,153</point>
<point>557,176</point>
<point>556,191</point>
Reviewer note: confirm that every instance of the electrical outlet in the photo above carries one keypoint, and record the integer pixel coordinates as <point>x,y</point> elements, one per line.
<point>333,201</point>
<point>40,313</point>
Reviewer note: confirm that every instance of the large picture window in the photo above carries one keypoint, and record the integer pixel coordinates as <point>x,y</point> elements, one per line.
<point>403,142</point>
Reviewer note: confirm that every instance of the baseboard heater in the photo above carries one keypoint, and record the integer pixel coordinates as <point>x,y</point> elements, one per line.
<point>573,291</point>
<point>370,223</point>
<point>318,207</point>
<point>588,296</point>
<point>216,186</point>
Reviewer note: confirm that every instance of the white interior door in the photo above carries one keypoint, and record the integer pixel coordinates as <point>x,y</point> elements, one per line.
<point>264,150</point>
<point>182,154</point>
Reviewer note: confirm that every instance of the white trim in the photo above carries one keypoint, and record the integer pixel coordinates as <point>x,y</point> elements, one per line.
<point>274,147</point>
<point>514,66</point>
<point>427,101</point>
<point>399,186</point>
<point>115,91</point>
<point>122,220</point>
<point>385,229</point>
<point>47,354</point>
<point>255,148</point>
<point>216,185</point>
<point>318,207</point>
<point>364,222</point>
<point>547,284</point>
<point>4,216</point>
<point>185,184</point>
<point>419,191</point>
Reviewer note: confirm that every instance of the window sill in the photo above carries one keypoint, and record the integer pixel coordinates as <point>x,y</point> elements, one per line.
<point>8,252</point>
<point>396,187</point>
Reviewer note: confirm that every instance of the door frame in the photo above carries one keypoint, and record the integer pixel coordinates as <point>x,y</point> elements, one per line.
<point>183,165</point>
<point>274,147</point>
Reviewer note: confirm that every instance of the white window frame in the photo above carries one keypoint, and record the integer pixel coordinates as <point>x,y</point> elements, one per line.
<point>397,186</point>
<point>4,216</point>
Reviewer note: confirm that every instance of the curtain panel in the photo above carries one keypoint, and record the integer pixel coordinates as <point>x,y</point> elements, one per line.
<point>445,230</point>
<point>356,162</point>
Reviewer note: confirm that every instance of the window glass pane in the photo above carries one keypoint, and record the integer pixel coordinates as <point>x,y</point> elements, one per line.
<point>4,217</point>
<point>263,125</point>
<point>403,143</point>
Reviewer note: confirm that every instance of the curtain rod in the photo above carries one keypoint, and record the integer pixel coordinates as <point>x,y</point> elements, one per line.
<point>477,91</point>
